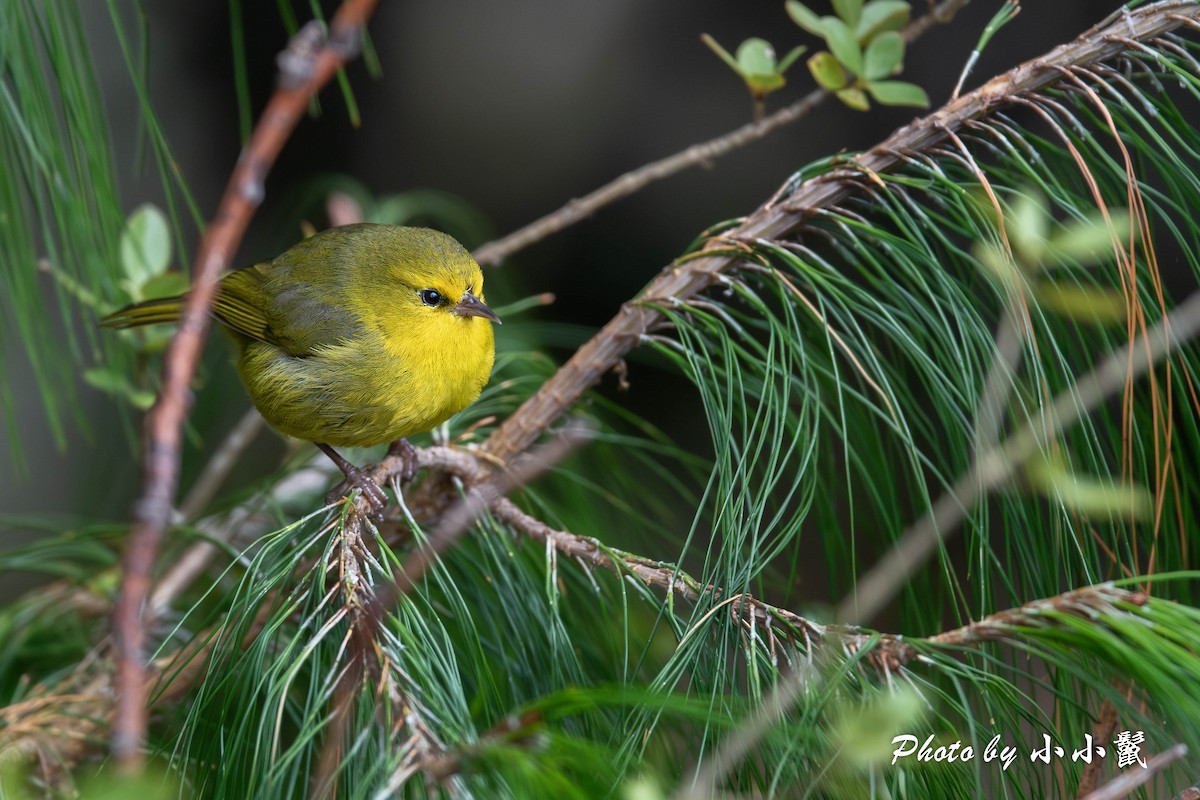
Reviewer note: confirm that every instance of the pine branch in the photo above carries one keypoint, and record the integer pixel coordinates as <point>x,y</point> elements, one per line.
<point>368,607</point>
<point>779,218</point>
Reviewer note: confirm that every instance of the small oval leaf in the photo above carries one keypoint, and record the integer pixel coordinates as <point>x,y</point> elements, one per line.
<point>1095,304</point>
<point>884,56</point>
<point>843,45</point>
<point>854,98</point>
<point>803,16</point>
<point>145,245</point>
<point>756,57</point>
<point>849,11</point>
<point>168,284</point>
<point>1093,239</point>
<point>898,93</point>
<point>1086,494</point>
<point>880,16</point>
<point>106,379</point>
<point>826,71</point>
<point>1028,225</point>
<point>764,84</point>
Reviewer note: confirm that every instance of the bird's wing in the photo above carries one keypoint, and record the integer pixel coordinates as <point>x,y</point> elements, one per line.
<point>272,303</point>
<point>242,304</point>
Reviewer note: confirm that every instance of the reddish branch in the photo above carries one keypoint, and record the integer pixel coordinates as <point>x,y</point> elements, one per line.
<point>305,67</point>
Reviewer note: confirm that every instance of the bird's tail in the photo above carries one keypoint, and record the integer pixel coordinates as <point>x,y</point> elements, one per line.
<point>149,312</point>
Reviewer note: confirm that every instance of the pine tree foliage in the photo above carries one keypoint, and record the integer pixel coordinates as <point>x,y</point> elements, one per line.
<point>975,356</point>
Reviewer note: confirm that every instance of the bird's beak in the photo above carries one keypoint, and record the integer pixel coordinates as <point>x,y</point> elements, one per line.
<point>472,306</point>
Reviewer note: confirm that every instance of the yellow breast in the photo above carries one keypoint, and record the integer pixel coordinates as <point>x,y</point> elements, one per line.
<point>377,388</point>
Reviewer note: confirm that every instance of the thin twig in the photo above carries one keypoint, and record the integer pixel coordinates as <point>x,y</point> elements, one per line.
<point>702,154</point>
<point>223,460</point>
<point>633,181</point>
<point>245,522</point>
<point>708,772</point>
<point>591,553</point>
<point>1001,377</point>
<point>997,466</point>
<point>1124,784</point>
<point>776,220</point>
<point>890,651</point>
<point>305,67</point>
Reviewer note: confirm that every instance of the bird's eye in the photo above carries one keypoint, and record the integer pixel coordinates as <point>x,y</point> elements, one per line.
<point>431,297</point>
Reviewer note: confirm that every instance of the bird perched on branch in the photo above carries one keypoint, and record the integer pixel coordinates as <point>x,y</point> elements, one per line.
<point>356,336</point>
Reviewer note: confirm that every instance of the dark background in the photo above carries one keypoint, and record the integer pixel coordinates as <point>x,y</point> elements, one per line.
<point>516,108</point>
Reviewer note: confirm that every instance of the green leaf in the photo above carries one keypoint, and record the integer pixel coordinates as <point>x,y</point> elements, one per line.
<point>764,83</point>
<point>1096,304</point>
<point>857,726</point>
<point>849,11</point>
<point>790,58</point>
<point>998,263</point>
<point>1090,240</point>
<point>1028,224</point>
<point>106,379</point>
<point>722,52</point>
<point>827,71</point>
<point>854,98</point>
<point>141,399</point>
<point>145,247</point>
<point>168,284</point>
<point>844,46</point>
<point>110,381</point>
<point>884,56</point>
<point>1088,495</point>
<point>803,16</point>
<point>881,15</point>
<point>756,57</point>
<point>898,93</point>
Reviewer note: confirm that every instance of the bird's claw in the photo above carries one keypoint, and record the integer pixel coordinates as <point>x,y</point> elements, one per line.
<point>372,492</point>
<point>409,460</point>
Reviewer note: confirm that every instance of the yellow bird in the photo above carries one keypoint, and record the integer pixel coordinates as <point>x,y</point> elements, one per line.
<point>356,336</point>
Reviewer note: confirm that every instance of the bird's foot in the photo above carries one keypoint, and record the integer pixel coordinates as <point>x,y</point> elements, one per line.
<point>409,460</point>
<point>372,492</point>
<point>355,479</point>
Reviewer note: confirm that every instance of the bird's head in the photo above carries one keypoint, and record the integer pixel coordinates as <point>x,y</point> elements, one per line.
<point>426,277</point>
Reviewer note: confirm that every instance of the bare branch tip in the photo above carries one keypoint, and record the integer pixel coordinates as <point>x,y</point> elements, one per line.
<point>297,62</point>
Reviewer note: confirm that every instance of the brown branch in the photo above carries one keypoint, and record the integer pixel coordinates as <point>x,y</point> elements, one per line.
<point>889,652</point>
<point>305,67</point>
<point>702,154</point>
<point>1124,784</point>
<point>776,220</point>
<point>1102,731</point>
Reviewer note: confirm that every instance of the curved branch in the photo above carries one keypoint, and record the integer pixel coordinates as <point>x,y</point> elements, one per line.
<point>309,62</point>
<point>775,220</point>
